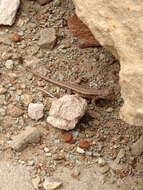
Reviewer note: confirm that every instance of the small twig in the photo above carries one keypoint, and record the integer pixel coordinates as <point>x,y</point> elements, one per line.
<point>46,92</point>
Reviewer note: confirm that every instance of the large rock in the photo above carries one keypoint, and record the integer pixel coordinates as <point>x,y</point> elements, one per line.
<point>118,26</point>
<point>8,11</point>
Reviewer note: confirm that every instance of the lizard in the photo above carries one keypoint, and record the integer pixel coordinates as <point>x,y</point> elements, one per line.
<point>90,93</point>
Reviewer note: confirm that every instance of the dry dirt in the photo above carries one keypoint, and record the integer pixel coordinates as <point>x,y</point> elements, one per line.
<point>95,67</point>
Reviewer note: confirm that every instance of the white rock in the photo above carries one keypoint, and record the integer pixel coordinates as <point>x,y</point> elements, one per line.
<point>118,26</point>
<point>66,112</point>
<point>80,150</point>
<point>9,64</point>
<point>8,11</point>
<point>46,149</point>
<point>51,183</point>
<point>35,111</point>
<point>30,135</point>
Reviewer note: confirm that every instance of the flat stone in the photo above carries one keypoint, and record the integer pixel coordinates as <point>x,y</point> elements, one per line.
<point>8,10</point>
<point>47,38</point>
<point>21,141</point>
<point>14,177</point>
<point>51,183</point>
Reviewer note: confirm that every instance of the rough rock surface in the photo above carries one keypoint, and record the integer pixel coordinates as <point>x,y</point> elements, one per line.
<point>35,111</point>
<point>30,135</point>
<point>47,38</point>
<point>14,177</point>
<point>67,111</point>
<point>118,25</point>
<point>8,11</point>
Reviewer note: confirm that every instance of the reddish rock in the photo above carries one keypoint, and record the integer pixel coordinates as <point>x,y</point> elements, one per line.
<point>80,30</point>
<point>15,37</point>
<point>84,144</point>
<point>72,141</point>
<point>67,137</point>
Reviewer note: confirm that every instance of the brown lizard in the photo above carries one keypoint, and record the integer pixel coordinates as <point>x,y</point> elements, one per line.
<point>92,93</point>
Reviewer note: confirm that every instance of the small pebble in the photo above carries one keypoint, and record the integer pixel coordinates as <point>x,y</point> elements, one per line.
<point>15,37</point>
<point>104,169</point>
<point>46,149</point>
<point>80,150</point>
<point>9,64</point>
<point>84,144</point>
<point>51,183</point>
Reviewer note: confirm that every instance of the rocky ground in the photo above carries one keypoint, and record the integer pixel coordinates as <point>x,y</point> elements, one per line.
<point>100,143</point>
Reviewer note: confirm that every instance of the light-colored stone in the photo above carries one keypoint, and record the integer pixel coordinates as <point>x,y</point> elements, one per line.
<point>47,38</point>
<point>51,183</point>
<point>35,111</point>
<point>30,135</point>
<point>118,26</point>
<point>66,112</point>
<point>9,64</point>
<point>80,150</point>
<point>137,147</point>
<point>14,177</point>
<point>36,182</point>
<point>8,11</point>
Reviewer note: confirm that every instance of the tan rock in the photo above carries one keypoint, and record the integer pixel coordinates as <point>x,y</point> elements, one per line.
<point>137,147</point>
<point>51,183</point>
<point>47,38</point>
<point>30,135</point>
<point>118,26</point>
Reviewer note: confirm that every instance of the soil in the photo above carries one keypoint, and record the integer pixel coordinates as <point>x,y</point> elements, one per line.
<point>101,127</point>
